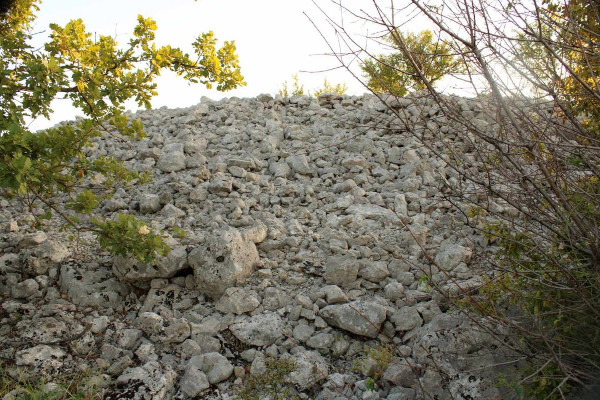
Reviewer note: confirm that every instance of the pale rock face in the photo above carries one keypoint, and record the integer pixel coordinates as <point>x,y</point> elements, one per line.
<point>136,272</point>
<point>361,318</point>
<point>259,330</point>
<point>221,261</point>
<point>305,224</point>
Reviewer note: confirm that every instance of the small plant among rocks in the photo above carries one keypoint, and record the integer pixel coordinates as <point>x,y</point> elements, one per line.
<point>374,363</point>
<point>272,384</point>
<point>75,386</point>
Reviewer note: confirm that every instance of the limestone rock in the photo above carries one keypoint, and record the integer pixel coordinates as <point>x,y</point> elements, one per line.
<point>134,271</point>
<point>359,317</point>
<point>237,301</point>
<point>150,381</point>
<point>222,260</point>
<point>311,368</point>
<point>216,367</point>
<point>259,330</point>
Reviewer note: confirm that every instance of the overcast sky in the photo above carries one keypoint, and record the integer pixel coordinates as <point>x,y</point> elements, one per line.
<point>274,38</point>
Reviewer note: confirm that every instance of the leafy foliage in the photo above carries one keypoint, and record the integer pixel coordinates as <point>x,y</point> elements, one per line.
<point>98,76</point>
<point>396,74</point>
<point>129,236</point>
<point>297,88</point>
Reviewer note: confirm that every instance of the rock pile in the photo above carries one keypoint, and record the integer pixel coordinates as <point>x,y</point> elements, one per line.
<point>305,222</point>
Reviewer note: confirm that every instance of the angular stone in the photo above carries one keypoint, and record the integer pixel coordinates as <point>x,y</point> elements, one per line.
<point>134,271</point>
<point>149,203</point>
<point>259,330</point>
<point>41,356</point>
<point>193,382</point>
<point>237,301</point>
<point>406,319</point>
<point>150,381</point>
<point>275,298</point>
<point>451,256</point>
<point>341,271</point>
<point>27,288</point>
<point>359,317</point>
<point>311,368</point>
<point>334,294</point>
<point>216,367</point>
<point>299,164</point>
<point>375,271</point>
<point>320,341</point>
<point>374,212</point>
<point>221,260</point>
<point>172,161</point>
<point>222,186</point>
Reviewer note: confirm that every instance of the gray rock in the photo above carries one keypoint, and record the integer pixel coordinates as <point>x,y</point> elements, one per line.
<point>320,341</point>
<point>311,369</point>
<point>259,330</point>
<point>375,271</point>
<point>221,261</point>
<point>373,212</point>
<point>399,373</point>
<point>216,367</point>
<point>334,294</point>
<point>26,289</point>
<point>41,357</point>
<point>359,317</point>
<point>222,186</point>
<point>150,381</point>
<point>299,164</point>
<point>237,301</point>
<point>40,258</point>
<point>275,298</point>
<point>170,211</point>
<point>93,287</point>
<point>406,319</point>
<point>149,203</point>
<point>302,332</point>
<point>128,338</point>
<point>193,382</point>
<point>393,291</point>
<point>341,271</point>
<point>136,272</point>
<point>451,256</point>
<point>172,161</point>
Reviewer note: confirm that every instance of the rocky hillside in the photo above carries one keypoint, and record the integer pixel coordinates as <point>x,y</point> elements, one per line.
<point>298,229</point>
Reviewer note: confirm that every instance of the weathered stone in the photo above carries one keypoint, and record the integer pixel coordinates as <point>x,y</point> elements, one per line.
<point>149,203</point>
<point>134,271</point>
<point>275,298</point>
<point>259,330</point>
<point>311,369</point>
<point>237,301</point>
<point>406,319</point>
<point>299,164</point>
<point>171,162</point>
<point>359,317</point>
<point>41,356</point>
<point>193,382</point>
<point>341,271</point>
<point>216,367</point>
<point>374,271</point>
<point>150,381</point>
<point>222,260</point>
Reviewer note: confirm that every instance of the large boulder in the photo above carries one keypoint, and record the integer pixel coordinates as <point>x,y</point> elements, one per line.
<point>223,259</point>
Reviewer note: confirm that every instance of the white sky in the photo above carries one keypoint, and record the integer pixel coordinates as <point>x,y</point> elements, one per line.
<point>274,40</point>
